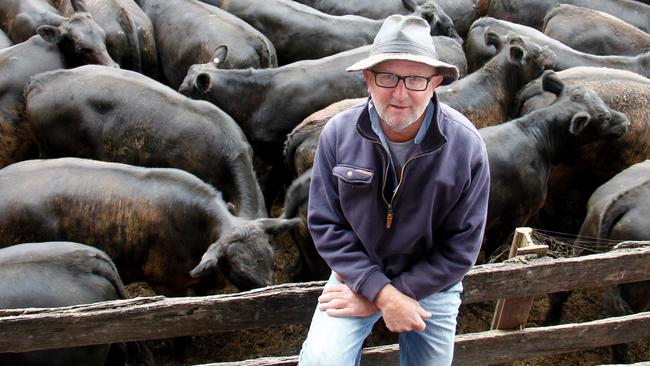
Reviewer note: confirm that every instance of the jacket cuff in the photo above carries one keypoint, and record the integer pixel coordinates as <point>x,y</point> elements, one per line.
<point>402,287</point>
<point>371,286</point>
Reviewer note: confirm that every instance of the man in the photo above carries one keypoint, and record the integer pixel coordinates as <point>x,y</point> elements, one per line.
<point>397,206</point>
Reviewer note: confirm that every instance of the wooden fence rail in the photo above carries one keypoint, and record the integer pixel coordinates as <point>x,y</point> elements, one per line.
<point>160,317</point>
<point>507,346</point>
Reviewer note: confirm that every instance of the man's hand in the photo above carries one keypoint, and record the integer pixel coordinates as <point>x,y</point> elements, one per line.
<point>340,300</point>
<point>400,312</point>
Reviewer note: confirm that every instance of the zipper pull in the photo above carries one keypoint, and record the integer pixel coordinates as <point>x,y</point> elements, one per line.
<point>389,218</point>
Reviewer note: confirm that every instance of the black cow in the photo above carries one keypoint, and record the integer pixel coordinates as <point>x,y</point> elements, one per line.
<point>485,96</point>
<point>461,12</point>
<point>300,32</point>
<point>597,33</point>
<point>190,32</point>
<point>160,225</point>
<point>56,274</point>
<point>119,115</point>
<point>253,96</point>
<point>129,34</point>
<point>522,151</point>
<point>71,44</point>
<point>617,211</point>
<point>566,57</point>
<point>570,184</point>
<point>532,12</point>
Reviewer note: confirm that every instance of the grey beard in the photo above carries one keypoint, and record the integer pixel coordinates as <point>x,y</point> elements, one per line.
<point>398,126</point>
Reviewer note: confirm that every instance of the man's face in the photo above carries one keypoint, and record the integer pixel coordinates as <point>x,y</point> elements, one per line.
<point>399,107</point>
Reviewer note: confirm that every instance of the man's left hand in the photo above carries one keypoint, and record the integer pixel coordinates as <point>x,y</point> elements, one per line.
<point>340,300</point>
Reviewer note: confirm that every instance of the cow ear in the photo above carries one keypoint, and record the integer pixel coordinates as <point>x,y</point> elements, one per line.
<point>209,260</point>
<point>410,5</point>
<point>551,82</point>
<point>578,123</point>
<point>219,55</point>
<point>278,226</point>
<point>231,208</point>
<point>517,54</point>
<point>49,33</point>
<point>79,6</point>
<point>492,39</point>
<point>203,82</point>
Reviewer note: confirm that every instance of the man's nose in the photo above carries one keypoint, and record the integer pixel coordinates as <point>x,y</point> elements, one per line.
<point>400,89</point>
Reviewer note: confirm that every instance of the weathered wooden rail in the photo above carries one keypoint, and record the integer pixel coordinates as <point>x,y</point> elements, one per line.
<point>160,317</point>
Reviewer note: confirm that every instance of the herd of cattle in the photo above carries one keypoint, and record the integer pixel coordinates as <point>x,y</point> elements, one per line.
<point>137,127</point>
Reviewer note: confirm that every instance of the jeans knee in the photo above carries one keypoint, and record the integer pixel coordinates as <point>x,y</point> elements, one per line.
<point>324,356</point>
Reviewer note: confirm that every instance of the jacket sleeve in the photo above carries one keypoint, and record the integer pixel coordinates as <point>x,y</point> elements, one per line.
<point>458,244</point>
<point>333,237</point>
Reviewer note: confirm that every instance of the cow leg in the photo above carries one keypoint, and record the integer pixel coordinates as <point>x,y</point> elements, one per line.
<point>616,305</point>
<point>556,304</point>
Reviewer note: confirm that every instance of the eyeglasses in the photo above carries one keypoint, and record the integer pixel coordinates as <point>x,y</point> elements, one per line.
<point>411,82</point>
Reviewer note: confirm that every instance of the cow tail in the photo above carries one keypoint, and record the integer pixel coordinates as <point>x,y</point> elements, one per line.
<point>132,40</point>
<point>267,53</point>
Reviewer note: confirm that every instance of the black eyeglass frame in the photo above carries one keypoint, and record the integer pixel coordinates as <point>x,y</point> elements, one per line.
<point>402,78</point>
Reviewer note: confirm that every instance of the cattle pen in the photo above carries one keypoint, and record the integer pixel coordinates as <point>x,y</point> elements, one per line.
<point>523,276</point>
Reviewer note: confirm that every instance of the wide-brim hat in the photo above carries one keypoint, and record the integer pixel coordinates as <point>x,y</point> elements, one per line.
<point>406,38</point>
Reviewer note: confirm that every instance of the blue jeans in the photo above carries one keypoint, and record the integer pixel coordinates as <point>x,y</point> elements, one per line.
<point>337,341</point>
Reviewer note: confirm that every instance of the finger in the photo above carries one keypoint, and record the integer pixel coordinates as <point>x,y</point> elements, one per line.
<point>424,314</point>
<point>334,304</point>
<point>325,298</point>
<point>334,288</point>
<point>340,278</point>
<point>420,325</point>
<point>339,312</point>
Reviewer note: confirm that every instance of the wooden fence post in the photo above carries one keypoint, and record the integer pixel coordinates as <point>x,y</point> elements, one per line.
<point>512,313</point>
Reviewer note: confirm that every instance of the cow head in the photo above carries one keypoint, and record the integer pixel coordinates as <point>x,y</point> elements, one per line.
<point>589,117</point>
<point>529,58</point>
<point>81,40</point>
<point>439,22</point>
<point>244,253</point>
<point>197,82</point>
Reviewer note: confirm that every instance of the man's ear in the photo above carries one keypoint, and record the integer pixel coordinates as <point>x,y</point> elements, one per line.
<point>436,81</point>
<point>367,75</point>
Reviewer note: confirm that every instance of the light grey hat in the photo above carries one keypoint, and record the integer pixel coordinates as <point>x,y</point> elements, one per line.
<point>406,38</point>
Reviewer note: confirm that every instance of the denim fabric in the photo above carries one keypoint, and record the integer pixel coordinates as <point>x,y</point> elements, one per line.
<point>337,341</point>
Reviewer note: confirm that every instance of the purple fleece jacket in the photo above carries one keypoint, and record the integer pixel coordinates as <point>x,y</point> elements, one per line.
<point>438,210</point>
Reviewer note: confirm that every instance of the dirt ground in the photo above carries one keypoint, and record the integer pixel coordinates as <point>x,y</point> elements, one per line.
<point>284,341</point>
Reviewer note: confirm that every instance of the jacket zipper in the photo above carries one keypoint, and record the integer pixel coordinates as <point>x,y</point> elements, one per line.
<point>389,214</point>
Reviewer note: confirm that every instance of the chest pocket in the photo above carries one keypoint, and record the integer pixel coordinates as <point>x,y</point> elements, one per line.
<point>353,175</point>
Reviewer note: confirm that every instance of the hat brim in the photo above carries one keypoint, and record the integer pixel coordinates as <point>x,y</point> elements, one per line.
<point>448,71</point>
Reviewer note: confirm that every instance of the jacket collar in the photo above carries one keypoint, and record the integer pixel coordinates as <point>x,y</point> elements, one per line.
<point>433,139</point>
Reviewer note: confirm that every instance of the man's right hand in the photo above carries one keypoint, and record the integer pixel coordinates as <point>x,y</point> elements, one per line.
<point>400,312</point>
